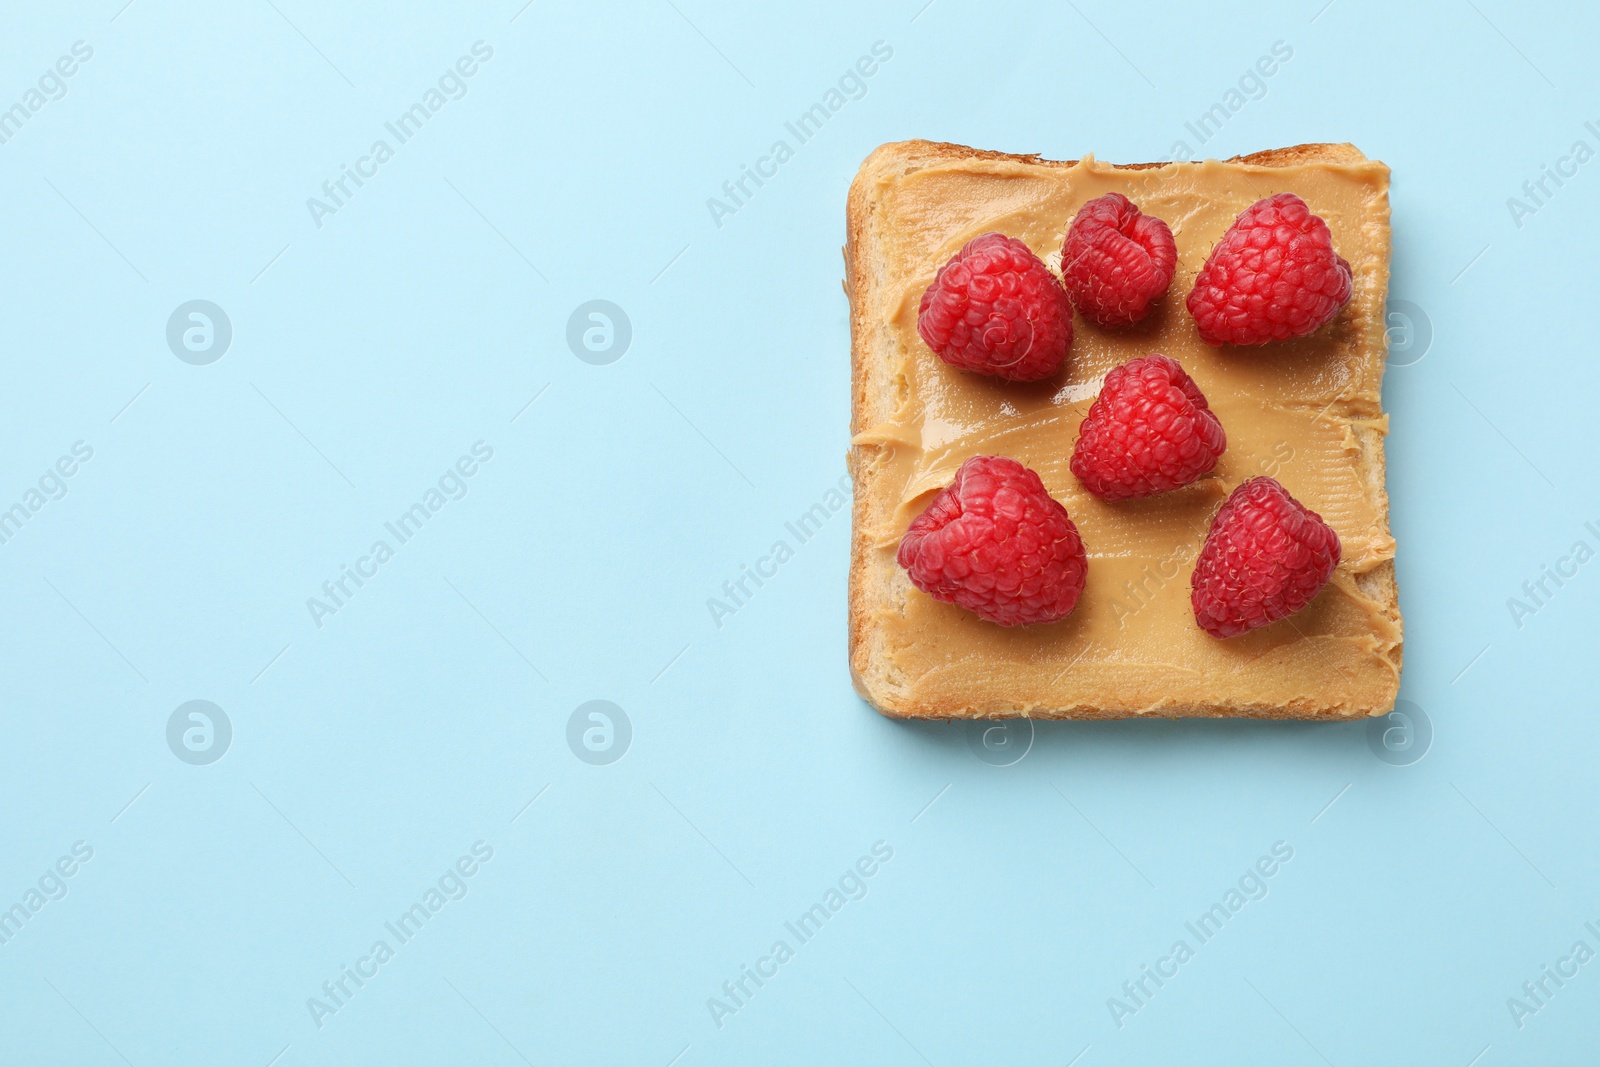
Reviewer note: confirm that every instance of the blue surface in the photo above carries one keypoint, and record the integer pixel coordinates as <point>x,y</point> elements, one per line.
<point>375,743</point>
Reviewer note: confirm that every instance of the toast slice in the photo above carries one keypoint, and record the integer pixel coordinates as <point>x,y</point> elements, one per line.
<point>1307,412</point>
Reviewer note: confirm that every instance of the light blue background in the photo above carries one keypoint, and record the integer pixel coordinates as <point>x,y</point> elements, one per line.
<point>368,754</point>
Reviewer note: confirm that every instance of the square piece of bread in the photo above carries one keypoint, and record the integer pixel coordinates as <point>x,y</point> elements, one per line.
<point>1307,412</point>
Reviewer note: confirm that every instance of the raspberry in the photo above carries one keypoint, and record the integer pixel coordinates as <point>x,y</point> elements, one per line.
<point>994,542</point>
<point>1265,557</point>
<point>1148,431</point>
<point>995,308</point>
<point>1272,277</point>
<point>1116,260</point>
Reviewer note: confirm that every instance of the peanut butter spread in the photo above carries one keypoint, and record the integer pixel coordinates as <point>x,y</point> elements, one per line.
<point>1306,412</point>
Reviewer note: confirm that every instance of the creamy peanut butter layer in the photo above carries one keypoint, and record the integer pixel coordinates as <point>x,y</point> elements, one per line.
<point>1306,412</point>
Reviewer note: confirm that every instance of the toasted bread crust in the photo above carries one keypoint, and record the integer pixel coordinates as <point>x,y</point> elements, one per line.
<point>872,401</point>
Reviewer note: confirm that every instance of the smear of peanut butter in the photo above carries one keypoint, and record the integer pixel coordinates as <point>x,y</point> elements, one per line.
<point>1296,411</point>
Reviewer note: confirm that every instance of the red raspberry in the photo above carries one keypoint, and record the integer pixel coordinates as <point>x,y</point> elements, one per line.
<point>1116,260</point>
<point>1265,557</point>
<point>1148,431</point>
<point>994,542</point>
<point>1272,277</point>
<point>995,308</point>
